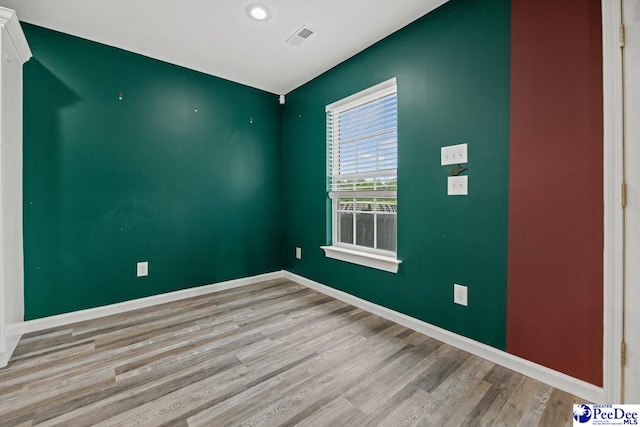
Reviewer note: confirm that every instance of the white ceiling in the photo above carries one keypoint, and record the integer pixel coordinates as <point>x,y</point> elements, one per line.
<point>218,38</point>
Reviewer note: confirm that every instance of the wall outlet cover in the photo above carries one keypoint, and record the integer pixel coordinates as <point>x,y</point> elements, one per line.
<point>453,154</point>
<point>458,185</point>
<point>460,295</point>
<point>298,253</point>
<point>142,269</point>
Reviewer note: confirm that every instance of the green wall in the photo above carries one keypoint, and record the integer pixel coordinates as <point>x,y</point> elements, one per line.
<point>208,196</point>
<point>452,68</point>
<point>108,183</point>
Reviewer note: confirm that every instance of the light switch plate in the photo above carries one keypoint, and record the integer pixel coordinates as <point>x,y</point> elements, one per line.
<point>298,253</point>
<point>453,154</point>
<point>460,295</point>
<point>458,185</point>
<point>142,269</point>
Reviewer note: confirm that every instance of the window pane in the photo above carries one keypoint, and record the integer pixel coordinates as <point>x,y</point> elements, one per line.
<point>387,205</point>
<point>366,137</point>
<point>364,229</point>
<point>345,205</point>
<point>386,231</point>
<point>345,221</point>
<point>364,205</point>
<point>345,227</point>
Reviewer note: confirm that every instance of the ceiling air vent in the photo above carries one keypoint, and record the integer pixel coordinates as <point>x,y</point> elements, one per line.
<point>301,35</point>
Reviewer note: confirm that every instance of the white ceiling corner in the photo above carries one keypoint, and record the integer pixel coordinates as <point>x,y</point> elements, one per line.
<point>218,38</point>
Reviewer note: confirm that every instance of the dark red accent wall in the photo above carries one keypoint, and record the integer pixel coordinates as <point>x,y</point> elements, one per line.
<point>554,312</point>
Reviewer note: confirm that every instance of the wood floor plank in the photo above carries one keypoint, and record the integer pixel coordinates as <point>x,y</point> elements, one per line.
<point>113,396</point>
<point>273,353</point>
<point>342,355</point>
<point>326,414</point>
<point>372,392</point>
<point>173,405</point>
<point>559,409</point>
<point>409,412</point>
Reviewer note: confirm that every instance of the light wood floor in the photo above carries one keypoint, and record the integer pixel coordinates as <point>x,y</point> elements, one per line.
<point>275,354</point>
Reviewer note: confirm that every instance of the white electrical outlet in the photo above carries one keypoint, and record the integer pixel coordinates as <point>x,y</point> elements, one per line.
<point>458,185</point>
<point>453,154</point>
<point>298,253</point>
<point>460,295</point>
<point>143,269</point>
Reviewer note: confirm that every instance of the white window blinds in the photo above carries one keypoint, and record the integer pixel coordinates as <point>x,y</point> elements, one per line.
<point>362,141</point>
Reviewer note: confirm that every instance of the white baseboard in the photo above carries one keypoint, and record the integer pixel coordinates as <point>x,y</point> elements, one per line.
<point>541,373</point>
<point>12,338</point>
<point>108,310</point>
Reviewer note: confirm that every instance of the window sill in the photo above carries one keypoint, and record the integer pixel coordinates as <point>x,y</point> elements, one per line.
<point>380,262</point>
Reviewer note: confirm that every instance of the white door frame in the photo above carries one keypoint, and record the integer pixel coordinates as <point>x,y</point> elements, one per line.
<point>613,154</point>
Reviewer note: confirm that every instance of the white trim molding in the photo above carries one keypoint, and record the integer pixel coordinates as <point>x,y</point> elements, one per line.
<point>9,21</point>
<point>541,373</point>
<point>381,89</point>
<point>13,333</point>
<point>14,53</point>
<point>613,261</point>
<point>122,307</point>
<point>380,262</point>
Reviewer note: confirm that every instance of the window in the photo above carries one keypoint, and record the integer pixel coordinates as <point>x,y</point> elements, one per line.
<point>362,158</point>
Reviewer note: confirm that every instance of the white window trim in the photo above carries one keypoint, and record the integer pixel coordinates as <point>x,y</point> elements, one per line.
<point>360,257</point>
<point>363,96</point>
<point>373,258</point>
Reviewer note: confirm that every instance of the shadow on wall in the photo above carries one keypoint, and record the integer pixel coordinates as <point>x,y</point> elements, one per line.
<point>47,96</point>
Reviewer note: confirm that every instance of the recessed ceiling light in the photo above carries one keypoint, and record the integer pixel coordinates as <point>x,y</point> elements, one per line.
<point>259,12</point>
